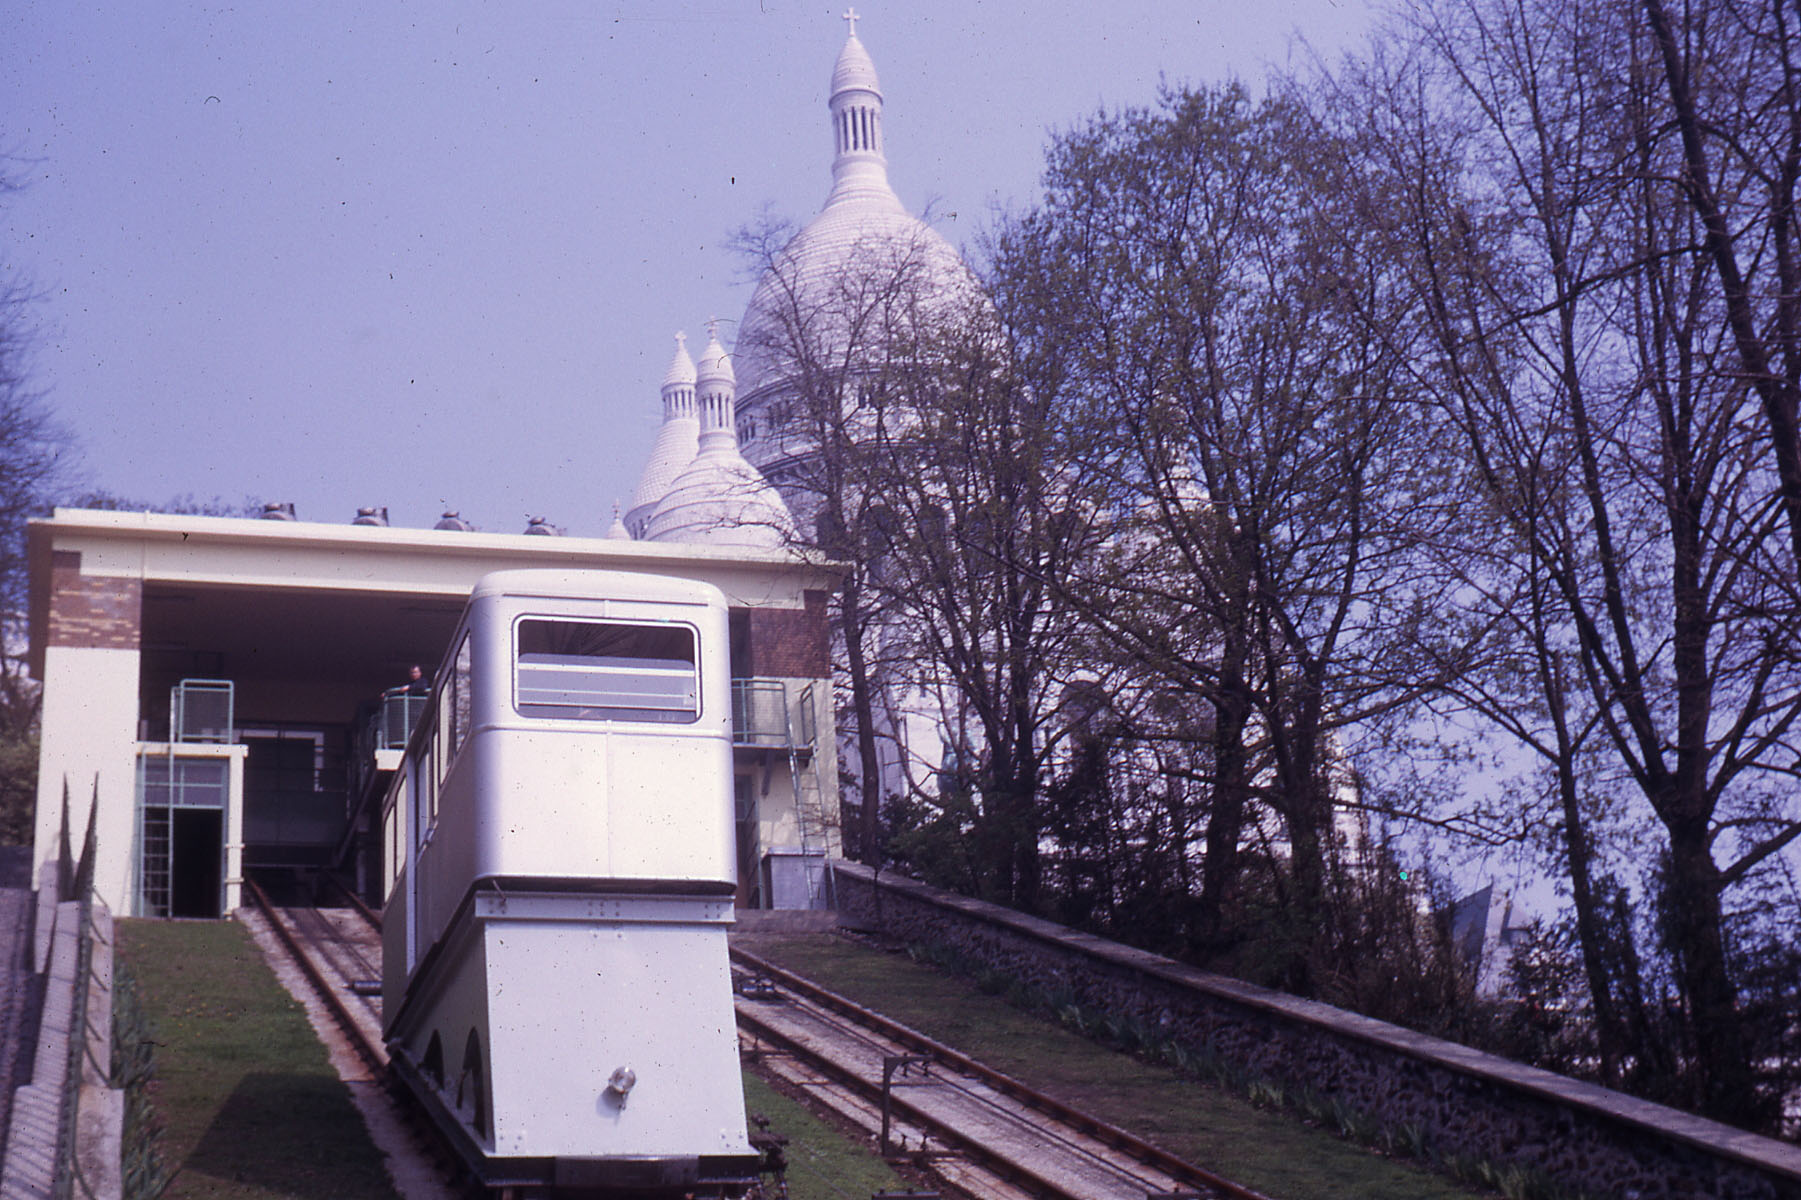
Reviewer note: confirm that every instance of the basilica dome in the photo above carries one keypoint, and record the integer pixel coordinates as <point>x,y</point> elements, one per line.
<point>863,263</point>
<point>678,440</point>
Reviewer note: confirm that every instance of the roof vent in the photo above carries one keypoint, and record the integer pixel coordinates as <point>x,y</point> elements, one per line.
<point>542,526</point>
<point>279,510</point>
<point>371,516</point>
<point>454,520</point>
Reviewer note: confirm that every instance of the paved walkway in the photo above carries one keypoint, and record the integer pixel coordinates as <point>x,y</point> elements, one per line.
<point>21,993</point>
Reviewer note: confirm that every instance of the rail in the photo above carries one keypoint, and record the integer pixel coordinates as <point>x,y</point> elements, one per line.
<point>325,952</point>
<point>760,714</point>
<point>372,1053</point>
<point>919,1046</point>
<point>356,902</point>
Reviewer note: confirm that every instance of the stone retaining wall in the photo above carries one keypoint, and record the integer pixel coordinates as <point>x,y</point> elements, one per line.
<point>1465,1101</point>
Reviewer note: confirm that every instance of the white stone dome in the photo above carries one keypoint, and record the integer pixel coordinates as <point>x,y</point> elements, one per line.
<point>617,532</point>
<point>863,242</point>
<point>719,499</point>
<point>808,296</point>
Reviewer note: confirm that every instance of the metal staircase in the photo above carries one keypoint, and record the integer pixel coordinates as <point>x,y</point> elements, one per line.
<point>765,721</point>
<point>809,804</point>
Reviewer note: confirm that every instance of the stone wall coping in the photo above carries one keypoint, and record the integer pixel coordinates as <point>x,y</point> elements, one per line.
<point>1716,1138</point>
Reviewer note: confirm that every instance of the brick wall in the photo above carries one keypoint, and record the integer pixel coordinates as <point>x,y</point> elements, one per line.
<point>1465,1101</point>
<point>788,642</point>
<point>92,612</point>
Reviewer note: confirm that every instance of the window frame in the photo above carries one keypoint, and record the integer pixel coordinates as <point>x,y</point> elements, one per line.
<point>680,717</point>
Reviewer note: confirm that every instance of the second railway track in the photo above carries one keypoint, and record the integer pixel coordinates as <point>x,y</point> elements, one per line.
<point>337,951</point>
<point>982,1131</point>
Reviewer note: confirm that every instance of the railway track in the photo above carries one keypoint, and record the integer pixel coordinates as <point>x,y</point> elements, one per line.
<point>982,1133</point>
<point>979,1130</point>
<point>338,953</point>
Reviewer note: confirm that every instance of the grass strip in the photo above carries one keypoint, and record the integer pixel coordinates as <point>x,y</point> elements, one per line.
<point>824,1163</point>
<point>249,1105</point>
<point>1198,1121</point>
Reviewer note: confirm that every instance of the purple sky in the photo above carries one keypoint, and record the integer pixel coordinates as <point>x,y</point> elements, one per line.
<point>434,255</point>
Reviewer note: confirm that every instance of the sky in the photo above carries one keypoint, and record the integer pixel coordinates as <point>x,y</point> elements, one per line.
<point>434,256</point>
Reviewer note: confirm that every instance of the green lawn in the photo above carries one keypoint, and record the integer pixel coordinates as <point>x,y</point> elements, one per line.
<point>1270,1151</point>
<point>250,1107</point>
<point>823,1163</point>
<point>252,1110</point>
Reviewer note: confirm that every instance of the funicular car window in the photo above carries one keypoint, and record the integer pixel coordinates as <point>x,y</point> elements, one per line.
<point>599,671</point>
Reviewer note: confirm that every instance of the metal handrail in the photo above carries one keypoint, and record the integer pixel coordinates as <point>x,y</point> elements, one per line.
<point>68,1166</point>
<point>760,714</point>
<point>189,699</point>
<point>401,708</point>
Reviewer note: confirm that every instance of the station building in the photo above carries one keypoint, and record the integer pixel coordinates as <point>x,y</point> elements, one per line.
<point>232,694</point>
<point>232,691</point>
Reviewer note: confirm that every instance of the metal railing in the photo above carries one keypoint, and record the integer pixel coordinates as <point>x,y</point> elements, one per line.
<point>202,710</point>
<point>760,714</point>
<point>51,1103</point>
<point>386,725</point>
<point>68,1157</point>
<point>763,719</point>
<point>400,710</point>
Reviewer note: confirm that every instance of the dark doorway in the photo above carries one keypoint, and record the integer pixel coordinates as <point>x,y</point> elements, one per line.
<point>197,856</point>
<point>294,797</point>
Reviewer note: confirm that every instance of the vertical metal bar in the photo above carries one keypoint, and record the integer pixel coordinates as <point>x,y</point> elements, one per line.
<point>137,846</point>
<point>890,1064</point>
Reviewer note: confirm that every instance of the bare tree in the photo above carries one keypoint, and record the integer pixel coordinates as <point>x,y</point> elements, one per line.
<point>983,523</point>
<point>33,448</point>
<point>1200,280</point>
<point>824,363</point>
<point>1588,364</point>
<point>1733,73</point>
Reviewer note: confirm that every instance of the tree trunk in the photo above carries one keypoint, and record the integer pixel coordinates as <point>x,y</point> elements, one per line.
<point>1231,790</point>
<point>862,694</point>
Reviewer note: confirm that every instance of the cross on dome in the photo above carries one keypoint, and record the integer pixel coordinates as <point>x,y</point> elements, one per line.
<point>851,17</point>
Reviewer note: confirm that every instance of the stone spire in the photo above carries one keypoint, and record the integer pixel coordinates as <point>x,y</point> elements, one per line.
<point>859,166</point>
<point>617,532</point>
<point>714,390</point>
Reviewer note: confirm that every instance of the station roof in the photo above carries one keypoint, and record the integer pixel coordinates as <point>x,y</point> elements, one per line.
<point>266,590</point>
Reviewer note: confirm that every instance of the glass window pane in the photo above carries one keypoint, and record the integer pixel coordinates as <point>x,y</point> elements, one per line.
<point>598,671</point>
<point>460,697</point>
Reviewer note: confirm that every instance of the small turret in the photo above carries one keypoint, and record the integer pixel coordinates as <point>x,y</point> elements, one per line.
<point>720,499</point>
<point>677,440</point>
